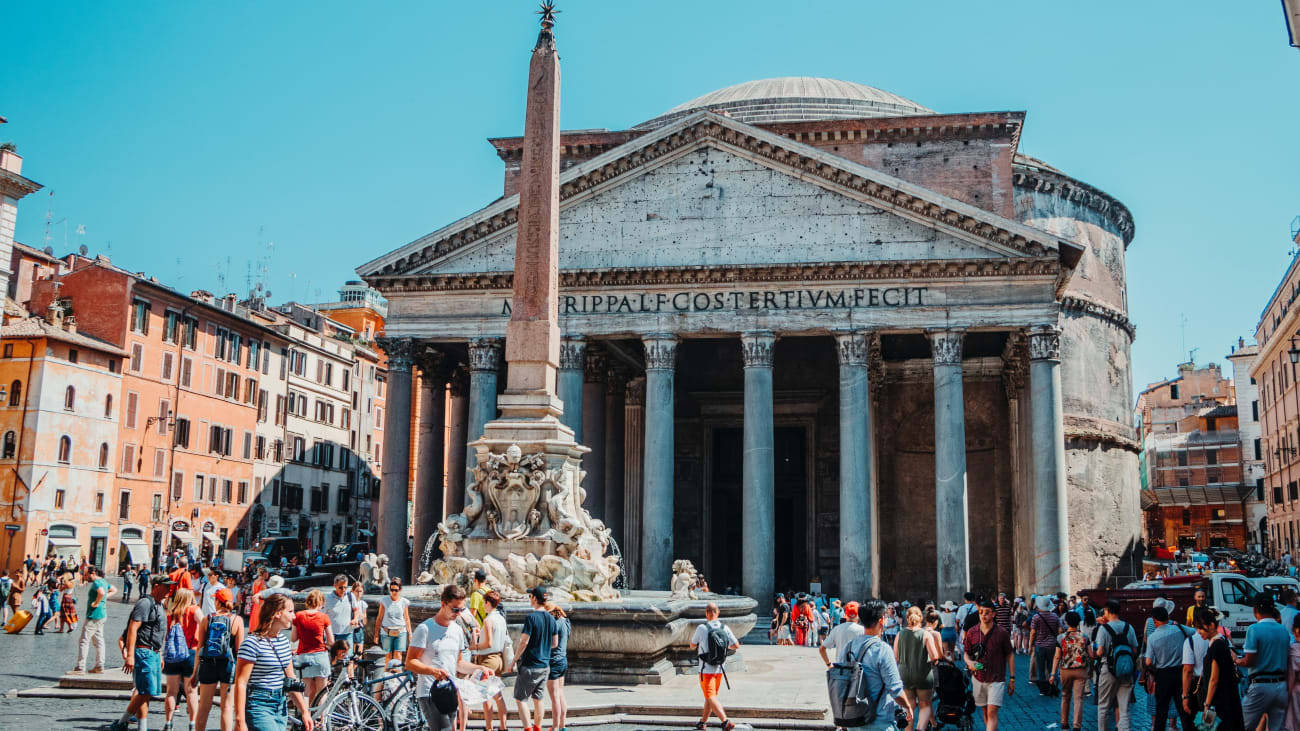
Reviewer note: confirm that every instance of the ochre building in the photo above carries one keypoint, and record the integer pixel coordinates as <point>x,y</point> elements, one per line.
<point>814,332</point>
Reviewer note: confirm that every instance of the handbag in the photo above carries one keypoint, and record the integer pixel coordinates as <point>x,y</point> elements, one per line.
<point>1207,720</point>
<point>444,697</point>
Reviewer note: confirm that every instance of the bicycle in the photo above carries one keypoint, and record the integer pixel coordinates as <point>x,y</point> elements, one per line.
<point>348,703</point>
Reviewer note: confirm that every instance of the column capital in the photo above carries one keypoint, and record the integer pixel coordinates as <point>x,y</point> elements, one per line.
<point>660,351</point>
<point>430,362</point>
<point>635,393</point>
<point>615,381</point>
<point>1045,342</point>
<point>594,366</point>
<point>573,349</point>
<point>756,348</point>
<point>459,381</point>
<point>485,354</point>
<point>400,351</point>
<point>853,346</point>
<point>945,346</point>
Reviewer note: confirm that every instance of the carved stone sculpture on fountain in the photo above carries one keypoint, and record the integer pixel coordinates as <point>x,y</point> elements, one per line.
<point>525,526</point>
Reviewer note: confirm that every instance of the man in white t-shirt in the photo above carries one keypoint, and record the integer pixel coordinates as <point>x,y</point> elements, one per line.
<point>436,654</point>
<point>711,672</point>
<point>841,635</point>
<point>341,608</point>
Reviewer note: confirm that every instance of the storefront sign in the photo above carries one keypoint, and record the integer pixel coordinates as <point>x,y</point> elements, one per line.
<point>740,300</point>
<point>13,527</point>
<point>209,527</point>
<point>180,526</point>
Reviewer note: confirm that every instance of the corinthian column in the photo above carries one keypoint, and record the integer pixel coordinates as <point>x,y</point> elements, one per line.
<point>657,491</point>
<point>758,513</point>
<point>593,430</point>
<point>484,361</point>
<point>952,531</point>
<point>458,426</point>
<point>857,529</point>
<point>573,356</point>
<point>1051,515</point>
<point>427,503</point>
<point>392,528</point>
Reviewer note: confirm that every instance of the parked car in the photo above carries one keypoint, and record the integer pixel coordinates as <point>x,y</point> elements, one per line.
<point>268,551</point>
<point>347,552</point>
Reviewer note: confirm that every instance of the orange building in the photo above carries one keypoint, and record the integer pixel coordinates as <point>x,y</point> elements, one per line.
<point>198,381</point>
<point>58,437</point>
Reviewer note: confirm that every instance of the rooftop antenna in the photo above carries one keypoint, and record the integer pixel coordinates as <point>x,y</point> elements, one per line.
<point>1191,355</point>
<point>1182,326</point>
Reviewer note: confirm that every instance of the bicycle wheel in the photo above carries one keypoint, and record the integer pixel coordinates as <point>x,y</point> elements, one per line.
<point>353,710</point>
<point>404,712</point>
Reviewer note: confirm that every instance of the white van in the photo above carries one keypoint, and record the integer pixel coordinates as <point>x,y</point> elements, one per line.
<point>1275,584</point>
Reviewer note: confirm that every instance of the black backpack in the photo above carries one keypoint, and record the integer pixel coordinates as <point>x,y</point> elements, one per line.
<point>716,643</point>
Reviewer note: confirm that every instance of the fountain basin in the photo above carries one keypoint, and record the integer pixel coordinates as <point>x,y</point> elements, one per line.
<point>643,638</point>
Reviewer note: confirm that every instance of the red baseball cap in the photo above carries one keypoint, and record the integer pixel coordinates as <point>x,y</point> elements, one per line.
<point>851,609</point>
<point>224,596</point>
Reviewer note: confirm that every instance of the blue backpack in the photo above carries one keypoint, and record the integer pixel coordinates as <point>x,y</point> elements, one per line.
<point>1120,656</point>
<point>216,644</point>
<point>176,649</point>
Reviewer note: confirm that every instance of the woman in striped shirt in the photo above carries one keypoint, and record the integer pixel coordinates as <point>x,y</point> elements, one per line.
<point>264,662</point>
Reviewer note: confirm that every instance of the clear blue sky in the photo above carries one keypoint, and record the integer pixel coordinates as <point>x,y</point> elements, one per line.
<point>176,132</point>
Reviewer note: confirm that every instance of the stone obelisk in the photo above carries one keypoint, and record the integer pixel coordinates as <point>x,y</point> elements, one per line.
<point>518,520</point>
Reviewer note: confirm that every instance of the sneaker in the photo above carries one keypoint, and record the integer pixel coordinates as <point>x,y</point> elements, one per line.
<point>97,670</point>
<point>117,726</point>
<point>77,671</point>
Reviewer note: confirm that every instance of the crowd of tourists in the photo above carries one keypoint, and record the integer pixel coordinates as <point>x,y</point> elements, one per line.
<point>1183,658</point>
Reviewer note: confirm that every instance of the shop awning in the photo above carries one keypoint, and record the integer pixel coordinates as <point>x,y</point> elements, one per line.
<point>209,535</point>
<point>184,537</point>
<point>138,551</point>
<point>65,547</point>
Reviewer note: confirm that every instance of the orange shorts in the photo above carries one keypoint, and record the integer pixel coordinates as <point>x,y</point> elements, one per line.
<point>710,683</point>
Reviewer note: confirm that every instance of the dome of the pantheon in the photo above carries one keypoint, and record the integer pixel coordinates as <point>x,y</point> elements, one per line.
<point>794,99</point>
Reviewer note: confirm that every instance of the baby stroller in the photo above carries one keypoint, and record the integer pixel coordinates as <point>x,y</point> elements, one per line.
<point>954,704</point>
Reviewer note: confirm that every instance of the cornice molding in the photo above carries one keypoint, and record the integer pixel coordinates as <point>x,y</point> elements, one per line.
<point>929,269</point>
<point>801,160</point>
<point>1049,182</point>
<point>13,185</point>
<point>1081,306</point>
<point>1098,431</point>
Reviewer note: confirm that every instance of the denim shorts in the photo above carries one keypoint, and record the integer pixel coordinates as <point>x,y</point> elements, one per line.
<point>313,664</point>
<point>266,709</point>
<point>391,643</point>
<point>148,673</point>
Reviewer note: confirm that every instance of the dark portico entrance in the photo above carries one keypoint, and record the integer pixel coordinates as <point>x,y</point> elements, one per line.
<point>725,561</point>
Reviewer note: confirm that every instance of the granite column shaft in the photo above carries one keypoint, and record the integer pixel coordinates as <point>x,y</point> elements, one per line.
<point>952,529</point>
<point>573,352</point>
<point>657,491</point>
<point>427,503</point>
<point>857,539</point>
<point>396,479</point>
<point>614,475</point>
<point>593,430</point>
<point>484,362</point>
<point>758,513</point>
<point>1047,434</point>
<point>457,429</point>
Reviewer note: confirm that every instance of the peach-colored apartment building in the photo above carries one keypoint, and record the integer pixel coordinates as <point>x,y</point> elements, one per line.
<point>58,438</point>
<point>197,382</point>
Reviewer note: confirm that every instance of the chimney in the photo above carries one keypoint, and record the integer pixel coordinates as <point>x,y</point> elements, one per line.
<point>54,314</point>
<point>70,324</point>
<point>202,295</point>
<point>10,160</point>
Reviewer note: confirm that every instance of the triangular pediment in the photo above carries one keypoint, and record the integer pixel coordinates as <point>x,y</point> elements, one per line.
<point>710,191</point>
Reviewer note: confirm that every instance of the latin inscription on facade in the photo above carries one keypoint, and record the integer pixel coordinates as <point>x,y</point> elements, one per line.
<point>738,300</point>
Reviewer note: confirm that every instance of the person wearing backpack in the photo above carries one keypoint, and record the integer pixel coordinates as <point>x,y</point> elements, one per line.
<point>182,639</point>
<point>1164,665</point>
<point>219,636</point>
<point>145,631</point>
<point>1072,660</point>
<point>876,676</point>
<point>1116,648</point>
<point>713,640</point>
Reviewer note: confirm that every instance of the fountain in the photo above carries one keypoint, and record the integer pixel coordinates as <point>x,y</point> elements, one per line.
<point>524,523</point>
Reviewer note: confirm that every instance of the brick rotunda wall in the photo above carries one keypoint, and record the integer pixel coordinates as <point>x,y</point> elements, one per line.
<point>1096,374</point>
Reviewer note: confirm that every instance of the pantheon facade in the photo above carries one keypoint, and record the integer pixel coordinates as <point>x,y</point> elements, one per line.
<point>814,332</point>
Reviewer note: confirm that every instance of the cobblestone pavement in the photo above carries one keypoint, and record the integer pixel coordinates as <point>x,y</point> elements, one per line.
<point>28,661</point>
